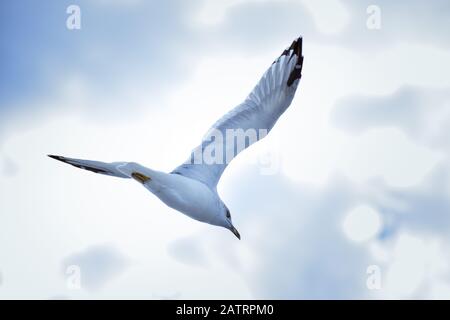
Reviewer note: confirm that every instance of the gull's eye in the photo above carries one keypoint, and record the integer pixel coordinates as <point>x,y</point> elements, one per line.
<point>228,214</point>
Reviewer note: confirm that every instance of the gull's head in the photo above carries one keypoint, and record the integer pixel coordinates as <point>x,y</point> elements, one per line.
<point>225,221</point>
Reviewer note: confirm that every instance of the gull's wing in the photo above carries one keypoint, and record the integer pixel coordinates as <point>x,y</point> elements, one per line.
<point>252,119</point>
<point>110,169</point>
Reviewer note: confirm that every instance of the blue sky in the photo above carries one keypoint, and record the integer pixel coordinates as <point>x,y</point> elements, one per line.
<point>355,173</point>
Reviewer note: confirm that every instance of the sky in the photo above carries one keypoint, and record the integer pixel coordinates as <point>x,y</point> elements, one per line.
<point>348,197</point>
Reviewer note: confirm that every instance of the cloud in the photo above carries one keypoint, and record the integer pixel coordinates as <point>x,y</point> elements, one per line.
<point>39,53</point>
<point>408,22</point>
<point>107,59</point>
<point>98,265</point>
<point>137,69</point>
<point>292,245</point>
<point>239,23</point>
<point>244,22</point>
<point>303,252</point>
<point>59,297</point>
<point>424,208</point>
<point>422,113</point>
<point>173,296</point>
<point>188,250</point>
<point>8,167</point>
<point>415,236</point>
<point>296,245</point>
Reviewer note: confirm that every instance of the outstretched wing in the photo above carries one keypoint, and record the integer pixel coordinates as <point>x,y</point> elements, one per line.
<point>249,121</point>
<point>109,169</point>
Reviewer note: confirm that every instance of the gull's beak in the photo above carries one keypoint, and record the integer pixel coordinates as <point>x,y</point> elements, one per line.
<point>140,177</point>
<point>235,232</point>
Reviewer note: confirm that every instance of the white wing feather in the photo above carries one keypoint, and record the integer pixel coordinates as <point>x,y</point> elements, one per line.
<point>261,109</point>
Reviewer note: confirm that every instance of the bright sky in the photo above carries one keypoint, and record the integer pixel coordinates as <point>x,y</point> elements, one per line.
<point>355,173</point>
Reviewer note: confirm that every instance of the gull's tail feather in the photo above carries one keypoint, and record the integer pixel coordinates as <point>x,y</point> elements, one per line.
<point>110,169</point>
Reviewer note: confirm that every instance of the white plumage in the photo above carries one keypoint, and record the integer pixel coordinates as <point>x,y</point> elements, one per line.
<point>191,188</point>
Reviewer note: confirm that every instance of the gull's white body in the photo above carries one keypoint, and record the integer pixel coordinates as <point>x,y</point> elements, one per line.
<point>191,188</point>
<point>185,195</point>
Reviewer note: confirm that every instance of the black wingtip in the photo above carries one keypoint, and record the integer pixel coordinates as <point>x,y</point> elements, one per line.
<point>76,163</point>
<point>56,157</point>
<point>297,47</point>
<point>59,158</point>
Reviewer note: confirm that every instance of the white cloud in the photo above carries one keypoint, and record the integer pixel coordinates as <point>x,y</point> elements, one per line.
<point>293,245</point>
<point>93,267</point>
<point>362,223</point>
<point>331,16</point>
<point>213,12</point>
<point>415,262</point>
<point>68,209</point>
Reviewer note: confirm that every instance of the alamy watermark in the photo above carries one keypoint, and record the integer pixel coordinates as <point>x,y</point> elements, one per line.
<point>73,280</point>
<point>373,21</point>
<point>373,281</point>
<point>73,21</point>
<point>222,146</point>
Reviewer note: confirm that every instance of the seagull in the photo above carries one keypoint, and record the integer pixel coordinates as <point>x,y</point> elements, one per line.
<point>191,188</point>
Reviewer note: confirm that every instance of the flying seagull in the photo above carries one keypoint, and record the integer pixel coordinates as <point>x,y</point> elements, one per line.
<point>191,188</point>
